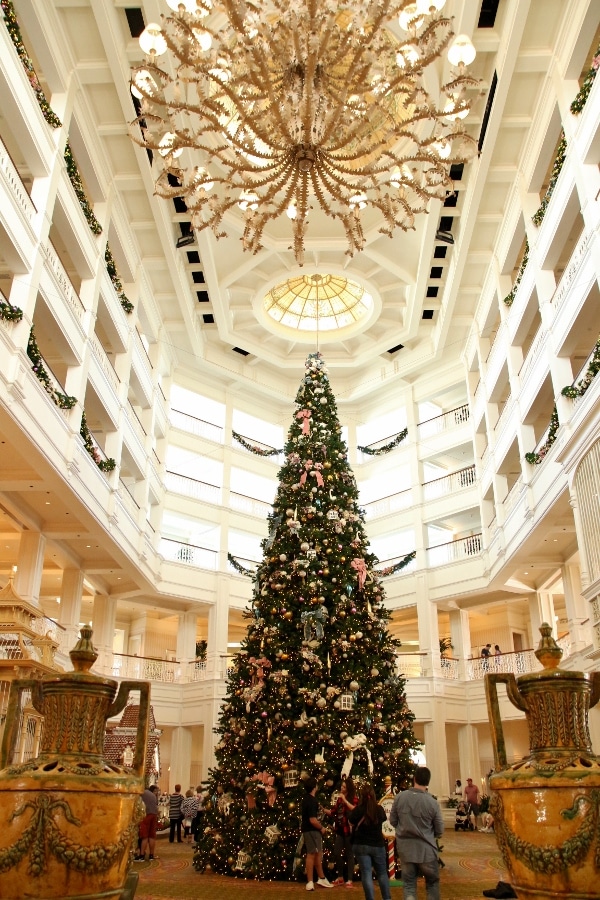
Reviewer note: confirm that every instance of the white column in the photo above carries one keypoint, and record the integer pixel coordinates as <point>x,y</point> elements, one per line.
<point>30,566</point>
<point>460,635</point>
<point>218,629</point>
<point>541,609</point>
<point>181,757</point>
<point>468,754</point>
<point>577,609</point>
<point>103,624</point>
<point>186,638</point>
<point>427,623</point>
<point>436,752</point>
<point>71,592</point>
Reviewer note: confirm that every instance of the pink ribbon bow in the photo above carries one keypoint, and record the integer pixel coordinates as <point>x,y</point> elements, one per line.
<point>260,665</point>
<point>317,473</point>
<point>305,415</point>
<point>361,571</point>
<point>307,467</point>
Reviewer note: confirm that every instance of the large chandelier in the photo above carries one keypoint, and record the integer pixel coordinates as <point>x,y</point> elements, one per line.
<point>289,106</point>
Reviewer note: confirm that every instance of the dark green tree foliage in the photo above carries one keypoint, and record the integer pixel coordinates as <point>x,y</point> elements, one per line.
<point>314,689</point>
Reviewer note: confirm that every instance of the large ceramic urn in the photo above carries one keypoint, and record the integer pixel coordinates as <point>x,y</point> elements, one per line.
<point>546,807</point>
<point>68,818</point>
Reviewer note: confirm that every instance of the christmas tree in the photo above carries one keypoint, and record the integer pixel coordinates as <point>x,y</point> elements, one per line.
<point>314,689</point>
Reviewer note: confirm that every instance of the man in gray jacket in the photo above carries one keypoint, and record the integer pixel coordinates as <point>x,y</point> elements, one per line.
<point>417,819</point>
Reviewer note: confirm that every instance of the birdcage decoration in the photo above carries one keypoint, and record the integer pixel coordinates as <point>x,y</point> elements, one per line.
<point>290,778</point>
<point>242,861</point>
<point>346,701</point>
<point>272,834</point>
<point>332,514</point>
<point>311,554</point>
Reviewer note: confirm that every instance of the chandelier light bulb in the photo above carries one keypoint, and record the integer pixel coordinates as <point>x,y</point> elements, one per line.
<point>409,19</point>
<point>152,40</point>
<point>451,113</point>
<point>461,51</point>
<point>442,148</point>
<point>203,38</point>
<point>135,91</point>
<point>248,200</point>
<point>358,200</point>
<point>202,179</point>
<point>165,146</point>
<point>396,177</point>
<point>426,7</point>
<point>292,211</point>
<point>188,6</point>
<point>411,55</point>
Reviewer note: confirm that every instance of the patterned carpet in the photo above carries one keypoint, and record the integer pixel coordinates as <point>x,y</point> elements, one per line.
<point>473,863</point>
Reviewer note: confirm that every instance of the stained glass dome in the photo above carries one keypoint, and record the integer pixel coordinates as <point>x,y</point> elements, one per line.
<point>317,302</point>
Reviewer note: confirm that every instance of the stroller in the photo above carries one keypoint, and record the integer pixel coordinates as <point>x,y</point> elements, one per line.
<point>463,820</point>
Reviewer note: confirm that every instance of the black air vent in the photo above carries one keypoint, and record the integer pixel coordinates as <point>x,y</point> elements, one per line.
<point>451,200</point>
<point>488,112</point>
<point>456,171</point>
<point>208,319</point>
<point>240,351</point>
<point>431,292</point>
<point>396,348</point>
<point>135,20</point>
<point>440,252</point>
<point>193,257</point>
<point>436,272</point>
<point>179,204</point>
<point>202,296</point>
<point>446,223</point>
<point>198,276</point>
<point>487,16</point>
<point>428,313</point>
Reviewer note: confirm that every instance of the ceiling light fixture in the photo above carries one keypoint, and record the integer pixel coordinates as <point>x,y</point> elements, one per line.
<point>284,107</point>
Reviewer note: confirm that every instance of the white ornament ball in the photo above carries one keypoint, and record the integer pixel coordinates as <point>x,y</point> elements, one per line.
<point>374,672</point>
<point>324,400</point>
<point>336,704</point>
<point>258,747</point>
<point>289,512</point>
<point>359,634</point>
<point>282,557</point>
<point>304,546</point>
<point>321,702</point>
<point>354,685</point>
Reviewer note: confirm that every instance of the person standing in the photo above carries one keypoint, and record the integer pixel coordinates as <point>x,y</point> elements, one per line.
<point>472,798</point>
<point>342,848</point>
<point>312,832</point>
<point>189,809</point>
<point>175,817</point>
<point>485,654</point>
<point>149,823</point>
<point>370,847</point>
<point>197,823</point>
<point>417,819</point>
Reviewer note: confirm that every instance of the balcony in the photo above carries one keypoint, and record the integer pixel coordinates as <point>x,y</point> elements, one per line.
<point>387,505</point>
<point>185,422</point>
<point>188,554</point>
<point>451,419</point>
<point>249,505</point>
<point>449,484</point>
<point>463,548</point>
<point>191,487</point>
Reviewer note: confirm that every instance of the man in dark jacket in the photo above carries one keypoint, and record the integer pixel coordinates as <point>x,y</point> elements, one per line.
<point>417,819</point>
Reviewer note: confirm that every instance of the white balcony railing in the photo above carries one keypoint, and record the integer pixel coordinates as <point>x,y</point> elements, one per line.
<point>391,504</point>
<point>451,419</point>
<point>249,505</point>
<point>196,426</point>
<point>189,554</point>
<point>463,548</point>
<point>145,668</point>
<point>519,663</point>
<point>12,179</point>
<point>448,484</point>
<point>191,487</point>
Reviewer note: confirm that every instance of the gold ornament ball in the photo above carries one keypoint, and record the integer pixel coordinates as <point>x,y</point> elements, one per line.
<point>230,860</point>
<point>288,615</point>
<point>342,614</point>
<point>325,571</point>
<point>342,559</point>
<point>273,611</point>
<point>284,656</point>
<point>327,465</point>
<point>329,550</point>
<point>353,638</point>
<point>291,806</point>
<point>330,478</point>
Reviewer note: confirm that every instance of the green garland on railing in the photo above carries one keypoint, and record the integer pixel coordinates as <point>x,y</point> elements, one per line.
<point>379,451</point>
<point>535,458</point>
<point>75,179</point>
<point>578,390</point>
<point>258,451</point>
<point>10,313</point>
<point>511,296</point>
<point>63,401</point>
<point>105,465</point>
<point>584,91</point>
<point>111,268</point>
<point>239,568</point>
<point>561,152</point>
<point>12,26</point>
<point>391,570</point>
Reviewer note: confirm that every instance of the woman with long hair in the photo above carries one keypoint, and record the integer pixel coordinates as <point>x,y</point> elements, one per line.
<point>342,848</point>
<point>369,844</point>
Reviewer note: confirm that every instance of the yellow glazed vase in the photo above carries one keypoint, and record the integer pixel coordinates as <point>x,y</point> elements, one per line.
<point>68,819</point>
<point>546,807</point>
